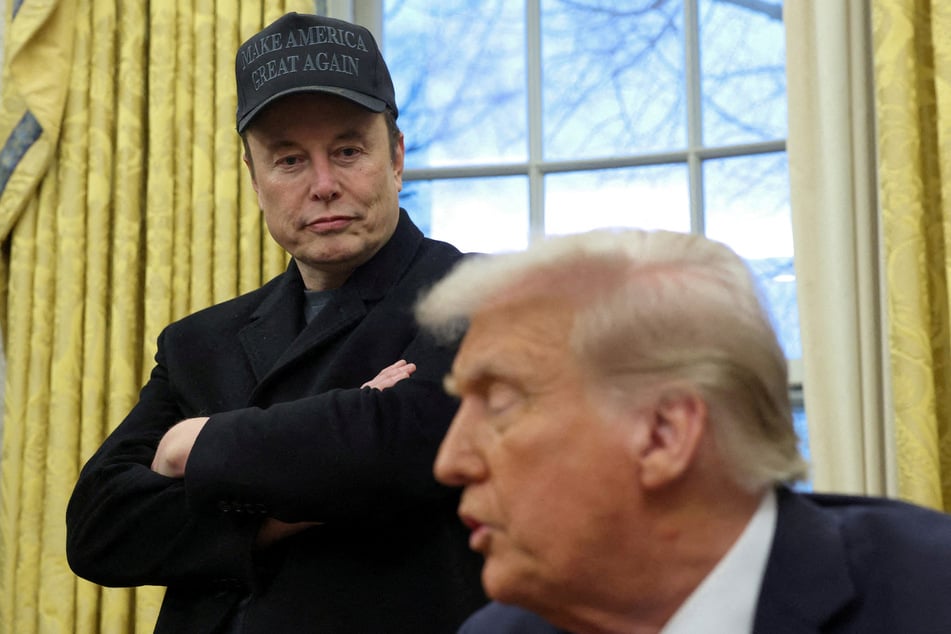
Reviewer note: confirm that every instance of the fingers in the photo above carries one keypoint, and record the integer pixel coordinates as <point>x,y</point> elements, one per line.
<point>391,375</point>
<point>173,449</point>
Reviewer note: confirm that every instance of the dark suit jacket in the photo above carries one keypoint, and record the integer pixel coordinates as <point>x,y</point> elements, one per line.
<point>838,564</point>
<point>291,436</point>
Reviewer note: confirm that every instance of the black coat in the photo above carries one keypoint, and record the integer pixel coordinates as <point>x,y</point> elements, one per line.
<point>292,436</point>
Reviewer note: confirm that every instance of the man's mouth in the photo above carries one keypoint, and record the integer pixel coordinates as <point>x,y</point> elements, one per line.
<point>330,224</point>
<point>479,535</point>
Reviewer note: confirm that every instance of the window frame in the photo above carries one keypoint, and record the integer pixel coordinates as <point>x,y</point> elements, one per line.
<point>536,168</point>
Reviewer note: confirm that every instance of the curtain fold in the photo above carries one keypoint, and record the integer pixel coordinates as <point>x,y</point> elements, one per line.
<point>834,206</point>
<point>37,57</point>
<point>123,205</point>
<point>870,156</point>
<point>912,59</point>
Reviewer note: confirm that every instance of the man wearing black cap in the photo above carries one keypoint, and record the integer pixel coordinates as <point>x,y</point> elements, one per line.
<point>272,476</point>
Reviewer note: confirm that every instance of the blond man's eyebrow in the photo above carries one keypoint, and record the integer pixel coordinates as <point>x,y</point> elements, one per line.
<point>450,385</point>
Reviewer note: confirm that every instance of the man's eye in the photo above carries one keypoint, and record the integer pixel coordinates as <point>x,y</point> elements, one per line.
<point>499,397</point>
<point>289,160</point>
<point>349,152</point>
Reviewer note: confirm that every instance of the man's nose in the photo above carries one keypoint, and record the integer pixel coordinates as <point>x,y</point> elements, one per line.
<point>459,461</point>
<point>324,184</point>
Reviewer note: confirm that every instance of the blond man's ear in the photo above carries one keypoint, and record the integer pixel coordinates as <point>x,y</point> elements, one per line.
<point>670,437</point>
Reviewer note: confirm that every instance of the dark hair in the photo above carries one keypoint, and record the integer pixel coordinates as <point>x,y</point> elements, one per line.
<point>393,130</point>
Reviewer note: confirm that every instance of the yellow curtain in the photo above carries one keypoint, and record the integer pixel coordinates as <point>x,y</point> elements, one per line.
<point>912,67</point>
<point>123,205</point>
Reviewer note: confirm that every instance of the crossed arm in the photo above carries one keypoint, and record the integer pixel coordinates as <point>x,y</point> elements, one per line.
<point>171,456</point>
<point>173,450</point>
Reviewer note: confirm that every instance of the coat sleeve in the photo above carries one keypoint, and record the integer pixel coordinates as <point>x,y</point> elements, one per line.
<point>346,455</point>
<point>127,525</point>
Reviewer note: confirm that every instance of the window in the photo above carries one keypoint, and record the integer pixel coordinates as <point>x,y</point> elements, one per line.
<point>525,119</point>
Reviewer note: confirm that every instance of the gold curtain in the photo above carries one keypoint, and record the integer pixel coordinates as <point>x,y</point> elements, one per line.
<point>912,67</point>
<point>123,206</point>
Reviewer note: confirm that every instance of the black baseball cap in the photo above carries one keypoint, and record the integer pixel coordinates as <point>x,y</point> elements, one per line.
<point>300,53</point>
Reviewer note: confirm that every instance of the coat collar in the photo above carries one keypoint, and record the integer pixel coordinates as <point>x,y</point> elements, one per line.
<point>276,334</point>
<point>807,576</point>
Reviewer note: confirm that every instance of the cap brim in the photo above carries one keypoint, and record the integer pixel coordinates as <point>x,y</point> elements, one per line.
<point>370,103</point>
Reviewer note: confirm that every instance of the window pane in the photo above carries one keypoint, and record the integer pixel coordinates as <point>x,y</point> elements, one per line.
<point>747,204</point>
<point>486,215</point>
<point>613,77</point>
<point>802,430</point>
<point>458,67</point>
<point>800,423</point>
<point>645,197</point>
<point>747,207</point>
<point>744,71</point>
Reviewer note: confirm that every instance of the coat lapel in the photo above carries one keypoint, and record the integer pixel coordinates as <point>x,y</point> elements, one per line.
<point>344,310</point>
<point>276,336</point>
<point>807,577</point>
<point>275,324</point>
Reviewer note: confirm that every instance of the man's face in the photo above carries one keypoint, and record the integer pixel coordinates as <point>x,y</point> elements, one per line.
<point>326,182</point>
<point>549,483</point>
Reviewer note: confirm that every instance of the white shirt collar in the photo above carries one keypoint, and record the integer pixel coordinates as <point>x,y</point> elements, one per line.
<point>725,601</point>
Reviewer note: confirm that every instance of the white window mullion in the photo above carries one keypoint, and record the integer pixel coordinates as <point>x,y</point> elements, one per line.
<point>536,178</point>
<point>694,113</point>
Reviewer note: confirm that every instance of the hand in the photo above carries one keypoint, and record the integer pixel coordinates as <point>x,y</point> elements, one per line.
<point>391,375</point>
<point>273,530</point>
<point>173,450</point>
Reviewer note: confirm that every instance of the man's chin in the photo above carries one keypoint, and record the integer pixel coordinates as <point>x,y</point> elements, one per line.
<point>333,261</point>
<point>502,583</point>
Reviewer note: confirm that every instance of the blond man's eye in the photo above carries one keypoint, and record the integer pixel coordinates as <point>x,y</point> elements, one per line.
<point>500,397</point>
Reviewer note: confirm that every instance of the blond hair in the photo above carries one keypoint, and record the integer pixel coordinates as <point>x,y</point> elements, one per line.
<point>653,306</point>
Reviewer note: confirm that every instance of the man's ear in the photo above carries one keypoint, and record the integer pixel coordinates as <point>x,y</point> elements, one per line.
<point>247,161</point>
<point>399,155</point>
<point>676,426</point>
